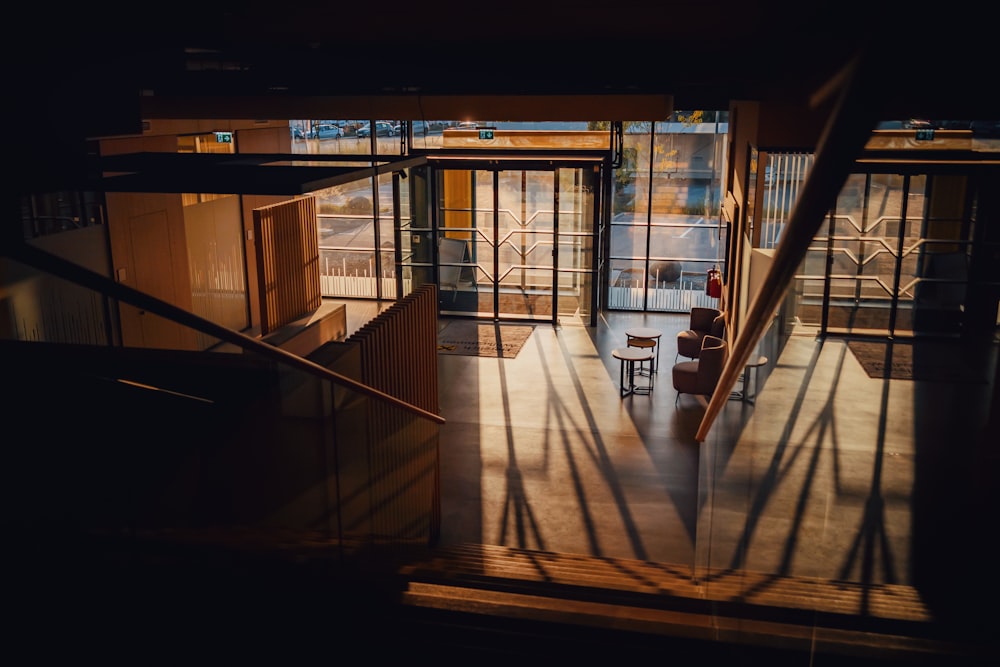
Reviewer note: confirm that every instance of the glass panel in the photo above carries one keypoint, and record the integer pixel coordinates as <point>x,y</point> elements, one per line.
<point>213,229</point>
<point>416,236</point>
<point>526,292</point>
<point>662,200</point>
<point>936,268</point>
<point>682,250</point>
<point>809,285</point>
<point>465,243</point>
<point>345,137</point>
<point>627,290</point>
<point>387,258</point>
<point>784,176</point>
<point>635,171</point>
<point>628,240</point>
<point>494,262</point>
<point>296,434</point>
<point>526,243</point>
<point>493,135</point>
<point>426,134</point>
<point>346,240</point>
<point>862,263</point>
<point>40,307</point>
<point>576,234</point>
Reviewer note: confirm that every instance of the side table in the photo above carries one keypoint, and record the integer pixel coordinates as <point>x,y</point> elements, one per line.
<point>645,337</point>
<point>628,357</point>
<point>751,366</point>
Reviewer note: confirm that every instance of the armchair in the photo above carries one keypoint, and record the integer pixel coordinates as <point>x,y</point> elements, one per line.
<point>704,322</point>
<point>700,376</point>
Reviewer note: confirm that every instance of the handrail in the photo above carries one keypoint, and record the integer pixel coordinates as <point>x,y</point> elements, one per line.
<point>848,128</point>
<point>75,273</point>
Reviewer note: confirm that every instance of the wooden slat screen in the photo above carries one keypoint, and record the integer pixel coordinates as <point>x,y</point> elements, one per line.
<point>287,261</point>
<point>399,357</point>
<point>399,349</point>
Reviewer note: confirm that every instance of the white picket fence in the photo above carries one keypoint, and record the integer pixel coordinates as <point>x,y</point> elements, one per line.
<point>363,286</point>
<point>672,299</point>
<point>676,298</point>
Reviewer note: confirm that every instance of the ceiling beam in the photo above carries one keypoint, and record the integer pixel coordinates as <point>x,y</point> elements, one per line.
<point>523,108</point>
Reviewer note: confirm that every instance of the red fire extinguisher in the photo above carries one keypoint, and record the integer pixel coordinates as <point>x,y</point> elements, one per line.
<point>713,286</point>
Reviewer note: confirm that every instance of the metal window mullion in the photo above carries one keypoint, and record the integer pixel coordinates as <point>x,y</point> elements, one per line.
<point>900,240</point>
<point>496,241</point>
<point>649,218</point>
<point>555,246</point>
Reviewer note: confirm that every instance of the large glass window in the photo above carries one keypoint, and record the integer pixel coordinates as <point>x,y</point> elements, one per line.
<point>346,136</point>
<point>357,255</point>
<point>664,234</point>
<point>665,225</point>
<point>892,258</point>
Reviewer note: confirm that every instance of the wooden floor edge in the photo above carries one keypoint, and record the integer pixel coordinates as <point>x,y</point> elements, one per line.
<point>678,624</point>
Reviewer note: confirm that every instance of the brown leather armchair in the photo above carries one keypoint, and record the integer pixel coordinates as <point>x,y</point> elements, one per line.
<point>704,322</point>
<point>700,376</point>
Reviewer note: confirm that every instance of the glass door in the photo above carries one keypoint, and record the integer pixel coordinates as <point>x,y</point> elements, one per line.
<point>516,244</point>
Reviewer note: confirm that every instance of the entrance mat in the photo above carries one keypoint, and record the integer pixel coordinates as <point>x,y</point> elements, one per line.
<point>483,339</point>
<point>928,362</point>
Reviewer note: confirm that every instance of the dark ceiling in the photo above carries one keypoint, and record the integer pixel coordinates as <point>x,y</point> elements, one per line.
<point>84,71</point>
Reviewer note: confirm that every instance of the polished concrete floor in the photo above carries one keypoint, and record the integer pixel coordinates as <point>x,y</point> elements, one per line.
<point>829,473</point>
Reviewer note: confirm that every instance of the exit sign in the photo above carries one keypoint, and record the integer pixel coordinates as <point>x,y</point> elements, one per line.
<point>224,137</point>
<point>485,134</point>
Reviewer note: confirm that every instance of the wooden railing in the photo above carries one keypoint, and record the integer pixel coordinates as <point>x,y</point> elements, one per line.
<point>848,128</point>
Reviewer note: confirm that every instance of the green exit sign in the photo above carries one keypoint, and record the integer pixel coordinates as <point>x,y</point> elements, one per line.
<point>224,137</point>
<point>485,134</point>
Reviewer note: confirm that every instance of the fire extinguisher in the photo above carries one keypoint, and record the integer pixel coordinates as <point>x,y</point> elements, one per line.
<point>713,286</point>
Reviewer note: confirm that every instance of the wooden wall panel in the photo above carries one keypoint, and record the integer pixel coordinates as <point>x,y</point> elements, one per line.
<point>287,258</point>
<point>125,145</point>
<point>128,213</point>
<point>264,140</point>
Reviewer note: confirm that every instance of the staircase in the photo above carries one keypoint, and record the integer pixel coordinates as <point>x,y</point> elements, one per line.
<point>462,603</point>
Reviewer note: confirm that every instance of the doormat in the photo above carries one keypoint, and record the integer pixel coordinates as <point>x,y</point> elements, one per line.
<point>483,339</point>
<point>933,362</point>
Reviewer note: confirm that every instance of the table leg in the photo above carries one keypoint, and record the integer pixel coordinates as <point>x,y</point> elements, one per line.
<point>621,378</point>
<point>747,398</point>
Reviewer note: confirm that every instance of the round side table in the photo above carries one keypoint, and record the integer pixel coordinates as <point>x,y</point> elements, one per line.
<point>628,357</point>
<point>752,365</point>
<point>645,337</point>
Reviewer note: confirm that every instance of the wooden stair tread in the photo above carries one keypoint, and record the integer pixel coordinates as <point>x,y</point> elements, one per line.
<point>511,568</point>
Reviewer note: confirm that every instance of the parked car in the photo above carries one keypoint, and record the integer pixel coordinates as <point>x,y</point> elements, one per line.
<point>328,132</point>
<point>420,128</point>
<point>298,134</point>
<point>382,129</point>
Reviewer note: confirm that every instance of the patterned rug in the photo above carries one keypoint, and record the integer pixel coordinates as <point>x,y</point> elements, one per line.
<point>483,339</point>
<point>930,362</point>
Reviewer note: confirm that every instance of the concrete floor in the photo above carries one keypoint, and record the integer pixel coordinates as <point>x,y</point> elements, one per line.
<point>829,474</point>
